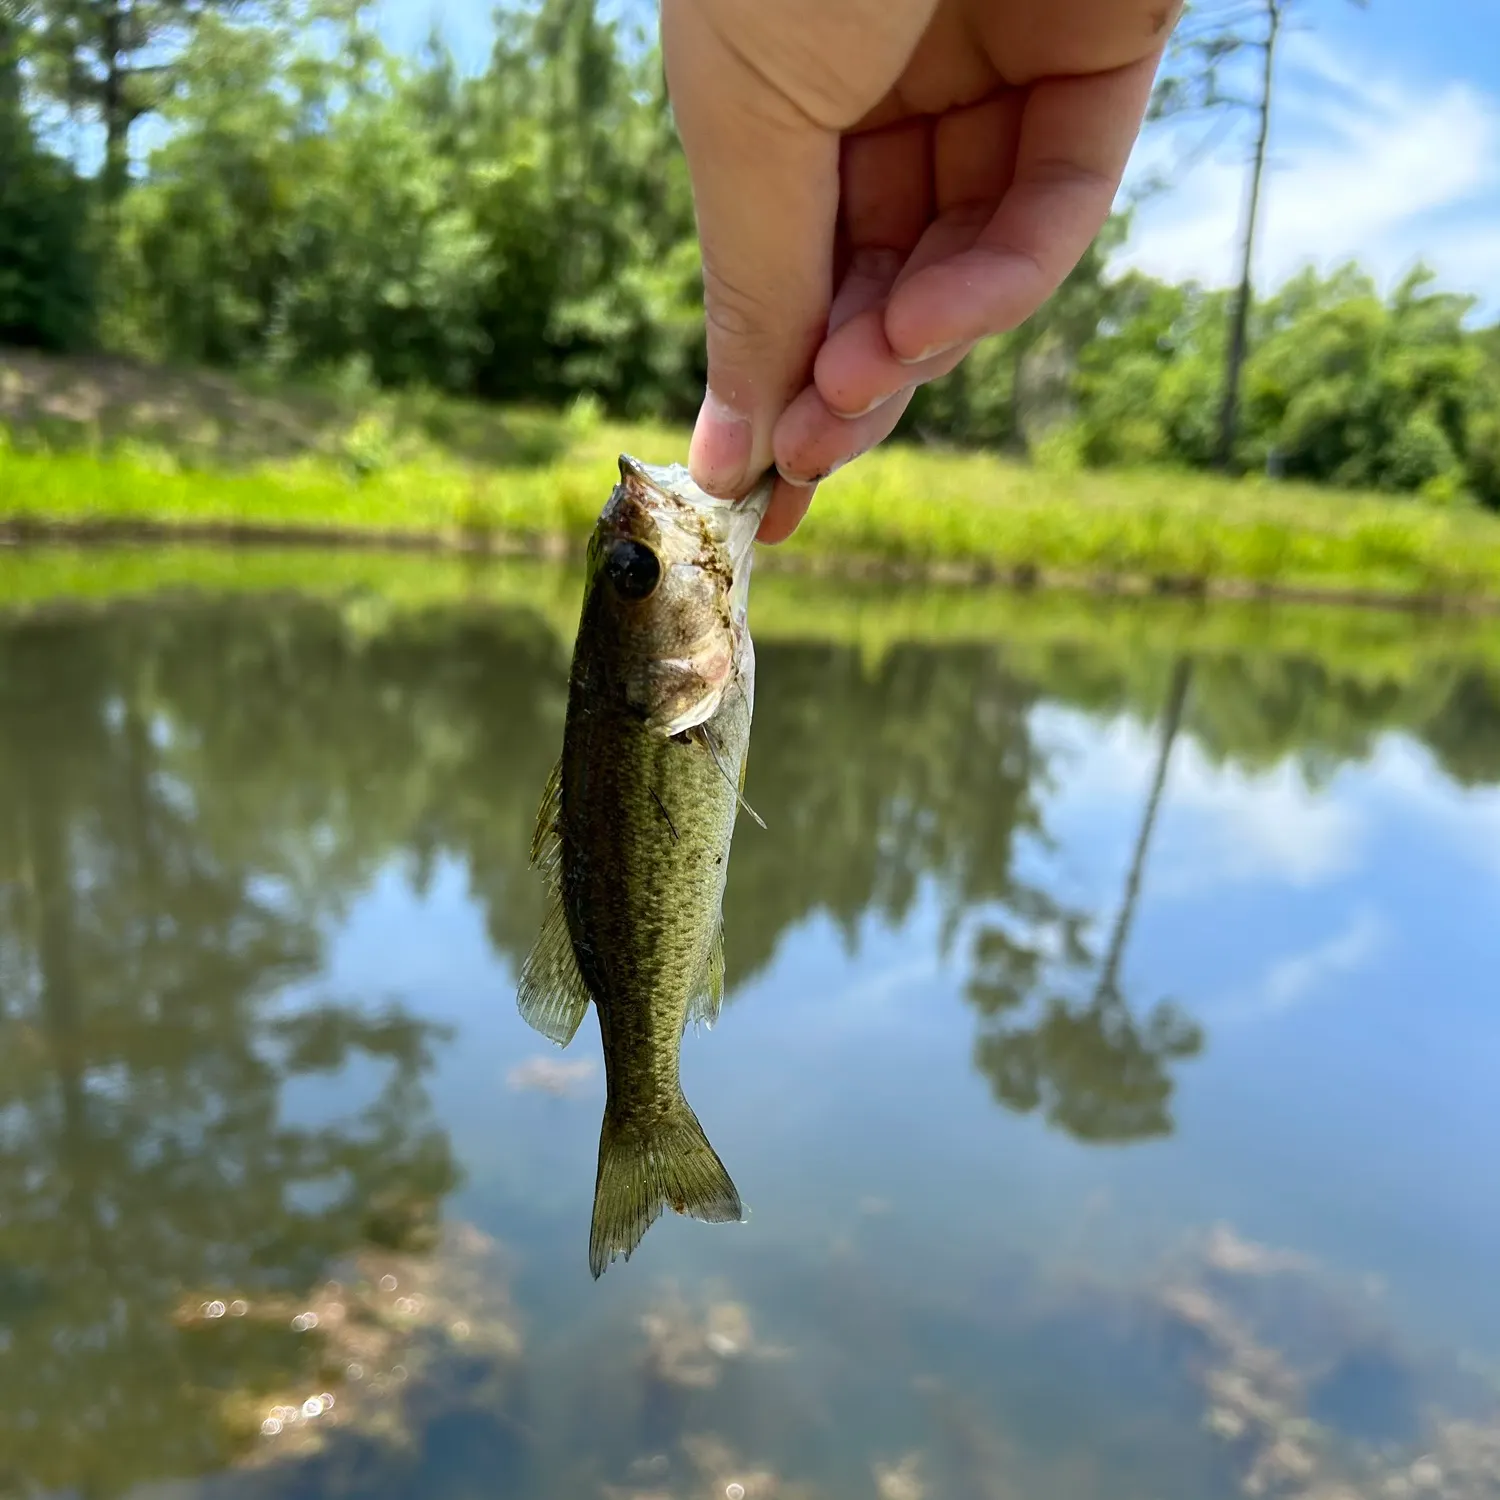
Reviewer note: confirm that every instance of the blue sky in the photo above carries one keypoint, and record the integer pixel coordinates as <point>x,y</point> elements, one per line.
<point>1386,147</point>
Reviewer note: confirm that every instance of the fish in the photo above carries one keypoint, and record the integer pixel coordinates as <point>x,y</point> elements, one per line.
<point>634,830</point>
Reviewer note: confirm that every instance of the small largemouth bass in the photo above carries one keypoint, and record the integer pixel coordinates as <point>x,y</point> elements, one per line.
<point>634,831</point>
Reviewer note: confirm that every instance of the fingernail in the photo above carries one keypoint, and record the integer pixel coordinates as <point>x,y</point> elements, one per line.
<point>794,481</point>
<point>719,456</point>
<point>933,352</point>
<point>854,416</point>
<point>799,483</point>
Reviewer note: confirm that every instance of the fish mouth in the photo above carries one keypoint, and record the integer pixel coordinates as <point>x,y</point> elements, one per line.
<point>733,524</point>
<point>735,521</point>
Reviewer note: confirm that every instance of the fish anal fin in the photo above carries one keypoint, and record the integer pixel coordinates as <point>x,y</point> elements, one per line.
<point>647,1167</point>
<point>703,1009</point>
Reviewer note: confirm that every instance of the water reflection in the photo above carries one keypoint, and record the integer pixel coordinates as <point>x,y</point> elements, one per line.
<point>193,798</point>
<point>249,769</point>
<point>1094,1068</point>
<point>151,929</point>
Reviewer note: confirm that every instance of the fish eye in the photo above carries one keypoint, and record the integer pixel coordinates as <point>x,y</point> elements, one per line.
<point>633,569</point>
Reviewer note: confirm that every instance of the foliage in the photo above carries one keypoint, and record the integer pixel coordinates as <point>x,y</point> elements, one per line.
<point>1341,386</point>
<point>317,209</point>
<point>322,205</point>
<point>46,290</point>
<point>112,63</point>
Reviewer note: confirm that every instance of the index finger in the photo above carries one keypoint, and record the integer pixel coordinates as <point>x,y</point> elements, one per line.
<point>765,187</point>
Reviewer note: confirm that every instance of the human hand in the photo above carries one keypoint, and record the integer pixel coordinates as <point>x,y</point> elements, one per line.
<point>879,185</point>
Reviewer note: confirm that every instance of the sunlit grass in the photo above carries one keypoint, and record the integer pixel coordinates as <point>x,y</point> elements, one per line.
<point>906,506</point>
<point>457,474</point>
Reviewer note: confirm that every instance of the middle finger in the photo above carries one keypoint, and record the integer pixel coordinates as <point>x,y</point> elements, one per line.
<point>973,161</point>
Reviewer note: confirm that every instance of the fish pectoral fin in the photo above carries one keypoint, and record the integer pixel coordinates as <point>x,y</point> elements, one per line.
<point>545,842</point>
<point>553,996</point>
<point>708,998</point>
<point>704,736</point>
<point>644,1168</point>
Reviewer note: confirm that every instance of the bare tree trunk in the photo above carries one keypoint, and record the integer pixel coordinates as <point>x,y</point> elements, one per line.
<point>1171,723</point>
<point>116,111</point>
<point>1017,397</point>
<point>10,62</point>
<point>1234,358</point>
<point>44,833</point>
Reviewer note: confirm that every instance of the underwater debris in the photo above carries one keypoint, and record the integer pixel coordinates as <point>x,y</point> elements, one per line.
<point>387,1319</point>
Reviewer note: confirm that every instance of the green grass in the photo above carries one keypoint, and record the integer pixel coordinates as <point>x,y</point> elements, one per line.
<point>155,449</point>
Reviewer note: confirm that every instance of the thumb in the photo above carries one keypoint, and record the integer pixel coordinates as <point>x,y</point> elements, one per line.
<point>766,187</point>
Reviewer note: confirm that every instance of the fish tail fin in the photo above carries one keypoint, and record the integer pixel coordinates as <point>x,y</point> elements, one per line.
<point>644,1167</point>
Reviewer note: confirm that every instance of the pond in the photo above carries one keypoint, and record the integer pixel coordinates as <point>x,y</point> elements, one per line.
<point>1109,1067</point>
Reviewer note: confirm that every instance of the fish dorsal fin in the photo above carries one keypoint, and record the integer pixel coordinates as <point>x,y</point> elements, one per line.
<point>553,996</point>
<point>708,998</point>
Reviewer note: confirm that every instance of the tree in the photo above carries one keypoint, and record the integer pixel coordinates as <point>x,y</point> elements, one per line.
<point>1214,38</point>
<point>148,1035</point>
<point>1022,381</point>
<point>1366,392</point>
<point>46,280</point>
<point>115,61</point>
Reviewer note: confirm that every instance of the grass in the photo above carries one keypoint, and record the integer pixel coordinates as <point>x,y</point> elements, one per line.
<point>101,445</point>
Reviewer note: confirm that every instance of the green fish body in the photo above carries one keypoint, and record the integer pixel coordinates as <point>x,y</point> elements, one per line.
<point>634,832</point>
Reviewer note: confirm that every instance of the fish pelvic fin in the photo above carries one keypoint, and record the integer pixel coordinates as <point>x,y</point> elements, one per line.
<point>646,1167</point>
<point>553,996</point>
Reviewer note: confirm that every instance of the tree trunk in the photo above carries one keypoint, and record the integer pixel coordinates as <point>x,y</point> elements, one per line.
<point>1018,442</point>
<point>116,111</point>
<point>1234,358</point>
<point>45,835</point>
<point>1171,723</point>
<point>10,64</point>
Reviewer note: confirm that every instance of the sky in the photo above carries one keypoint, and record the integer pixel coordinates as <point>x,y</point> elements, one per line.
<point>1385,148</point>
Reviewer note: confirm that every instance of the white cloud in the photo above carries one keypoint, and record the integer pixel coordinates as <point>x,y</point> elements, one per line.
<point>1304,978</point>
<point>880,990</point>
<point>1362,166</point>
<point>1245,828</point>
<point>1466,818</point>
<point>1218,825</point>
<point>1293,980</point>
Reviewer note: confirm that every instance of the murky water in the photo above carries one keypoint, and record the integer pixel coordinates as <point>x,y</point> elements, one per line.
<point>1111,1070</point>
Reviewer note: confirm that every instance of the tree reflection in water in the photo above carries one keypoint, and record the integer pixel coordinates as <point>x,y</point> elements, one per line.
<point>1094,1068</point>
<point>191,796</point>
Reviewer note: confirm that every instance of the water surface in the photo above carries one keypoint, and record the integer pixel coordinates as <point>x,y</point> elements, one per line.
<point>1109,1069</point>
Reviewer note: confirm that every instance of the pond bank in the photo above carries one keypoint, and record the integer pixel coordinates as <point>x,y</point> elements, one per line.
<point>101,531</point>
<point>1383,648</point>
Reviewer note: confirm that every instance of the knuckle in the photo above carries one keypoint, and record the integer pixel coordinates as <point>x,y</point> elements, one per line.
<point>732,310</point>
